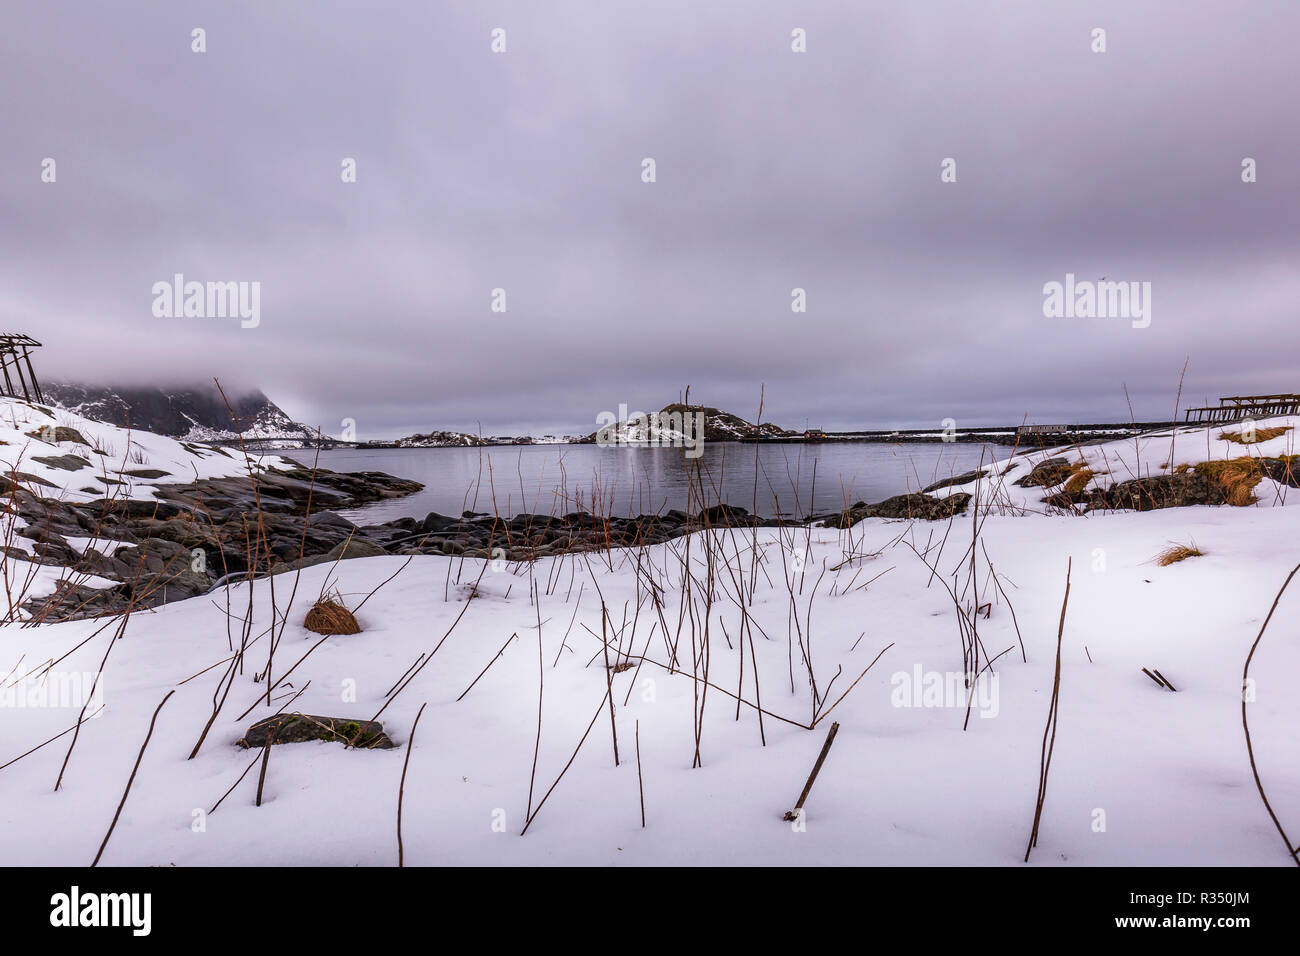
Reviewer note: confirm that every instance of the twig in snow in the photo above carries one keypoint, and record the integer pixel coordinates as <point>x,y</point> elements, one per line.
<point>140,756</point>
<point>639,784</point>
<point>401,787</point>
<point>266,759</point>
<point>1245,726</point>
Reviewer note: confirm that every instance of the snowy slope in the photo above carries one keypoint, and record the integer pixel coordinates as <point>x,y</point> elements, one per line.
<point>1153,454</point>
<point>113,461</point>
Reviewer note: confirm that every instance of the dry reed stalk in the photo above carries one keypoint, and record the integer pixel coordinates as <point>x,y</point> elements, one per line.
<point>130,780</point>
<point>1293,853</point>
<point>401,787</point>
<point>1045,757</point>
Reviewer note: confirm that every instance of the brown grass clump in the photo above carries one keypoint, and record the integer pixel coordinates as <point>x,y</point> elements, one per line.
<point>1080,475</point>
<point>328,616</point>
<point>1237,477</point>
<point>1177,552</point>
<point>1261,434</point>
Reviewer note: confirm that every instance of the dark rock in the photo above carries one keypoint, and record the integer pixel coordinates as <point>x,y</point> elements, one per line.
<point>1053,471</point>
<point>1282,470</point>
<point>55,550</point>
<point>1159,491</point>
<point>298,728</point>
<point>188,533</point>
<point>7,484</point>
<point>916,506</point>
<point>64,462</point>
<point>61,433</point>
<point>131,508</point>
<point>331,519</point>
<point>723,515</point>
<point>965,479</point>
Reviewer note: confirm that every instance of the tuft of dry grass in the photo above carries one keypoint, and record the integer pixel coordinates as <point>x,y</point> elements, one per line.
<point>1080,475</point>
<point>1177,552</point>
<point>1261,434</point>
<point>1237,477</point>
<point>329,616</point>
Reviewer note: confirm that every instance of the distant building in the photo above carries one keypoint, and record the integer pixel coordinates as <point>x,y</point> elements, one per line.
<point>814,434</point>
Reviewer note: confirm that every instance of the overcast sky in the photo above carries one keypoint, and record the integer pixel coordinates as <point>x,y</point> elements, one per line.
<point>775,170</point>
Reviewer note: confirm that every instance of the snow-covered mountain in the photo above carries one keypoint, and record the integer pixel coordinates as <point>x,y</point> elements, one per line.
<point>195,413</point>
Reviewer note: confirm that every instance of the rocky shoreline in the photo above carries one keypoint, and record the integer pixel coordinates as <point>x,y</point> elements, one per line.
<point>196,538</point>
<point>187,539</point>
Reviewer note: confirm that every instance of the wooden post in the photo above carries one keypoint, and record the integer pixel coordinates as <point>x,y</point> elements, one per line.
<point>19,369</point>
<point>36,387</point>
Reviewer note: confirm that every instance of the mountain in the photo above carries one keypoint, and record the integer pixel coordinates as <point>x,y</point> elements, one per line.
<point>195,414</point>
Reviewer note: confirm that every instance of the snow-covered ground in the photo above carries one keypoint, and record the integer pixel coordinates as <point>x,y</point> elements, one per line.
<point>1140,774</point>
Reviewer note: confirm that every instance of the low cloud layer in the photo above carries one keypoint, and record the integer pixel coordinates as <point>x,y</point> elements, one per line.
<point>775,170</point>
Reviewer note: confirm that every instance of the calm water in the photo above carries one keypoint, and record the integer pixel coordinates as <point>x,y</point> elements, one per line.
<point>546,479</point>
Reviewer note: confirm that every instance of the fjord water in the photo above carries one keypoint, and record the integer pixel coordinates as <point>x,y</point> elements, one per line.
<point>629,480</point>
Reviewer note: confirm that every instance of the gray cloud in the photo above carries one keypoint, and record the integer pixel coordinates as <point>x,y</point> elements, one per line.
<point>775,170</point>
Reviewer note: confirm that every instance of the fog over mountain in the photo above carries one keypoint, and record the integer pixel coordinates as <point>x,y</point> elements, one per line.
<point>775,170</point>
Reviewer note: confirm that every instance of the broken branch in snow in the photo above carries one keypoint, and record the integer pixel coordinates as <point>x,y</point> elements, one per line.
<point>266,759</point>
<point>130,780</point>
<point>812,777</point>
